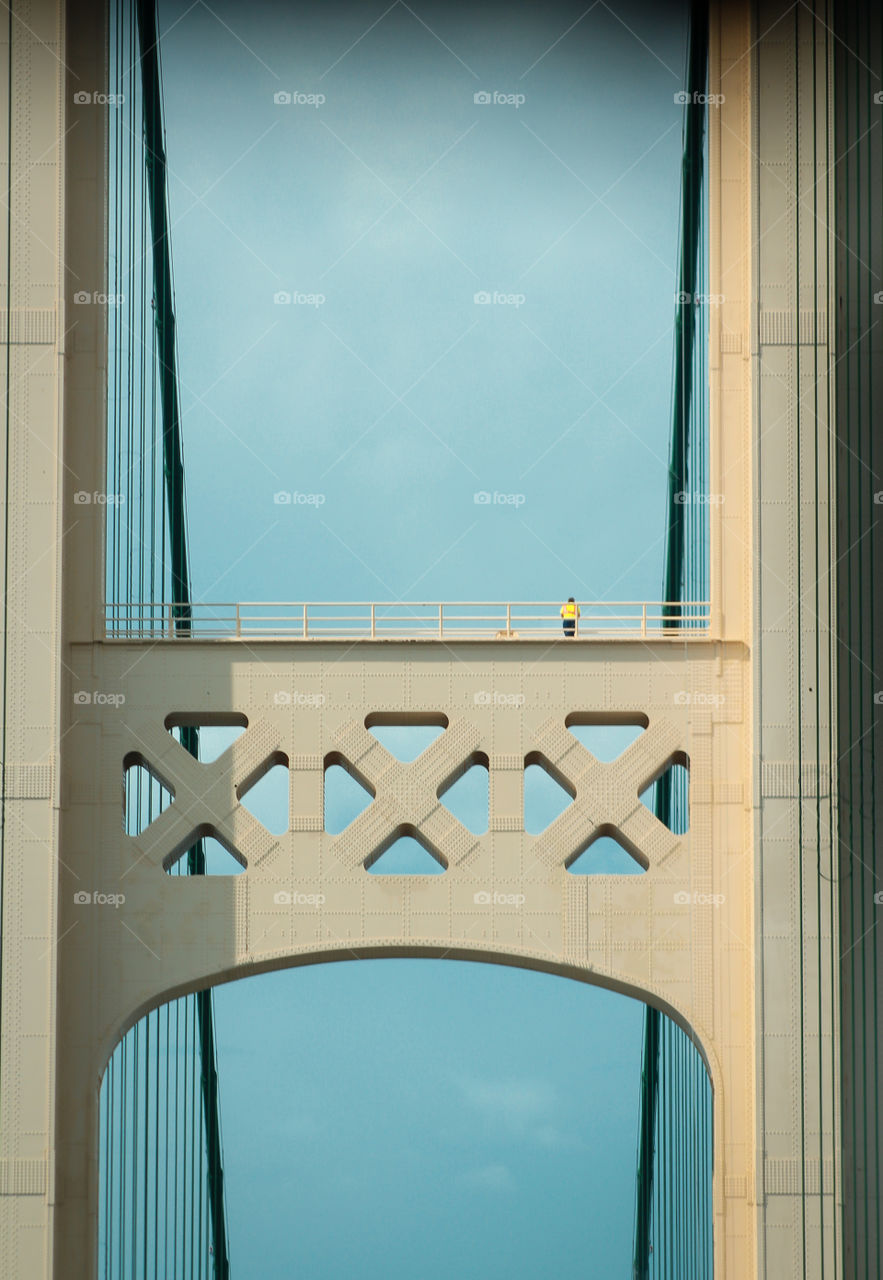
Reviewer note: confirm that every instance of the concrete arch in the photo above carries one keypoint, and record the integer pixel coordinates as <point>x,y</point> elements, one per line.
<point>506,959</point>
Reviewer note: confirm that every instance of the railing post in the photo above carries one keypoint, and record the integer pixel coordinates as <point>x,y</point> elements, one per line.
<point>171,623</point>
<point>238,622</point>
<point>373,607</point>
<point>441,630</point>
<point>305,621</point>
<point>508,619</point>
<point>644,620</point>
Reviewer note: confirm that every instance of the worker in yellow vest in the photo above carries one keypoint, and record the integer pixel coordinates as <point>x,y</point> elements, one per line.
<point>569,615</point>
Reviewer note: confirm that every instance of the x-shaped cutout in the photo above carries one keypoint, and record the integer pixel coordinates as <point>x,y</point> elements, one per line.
<point>607,793</point>
<point>406,794</point>
<point>205,795</point>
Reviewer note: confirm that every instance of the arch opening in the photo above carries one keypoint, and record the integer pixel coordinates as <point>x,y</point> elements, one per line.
<point>491,1113</point>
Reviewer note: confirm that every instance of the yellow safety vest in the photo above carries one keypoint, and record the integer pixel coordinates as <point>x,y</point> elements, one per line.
<point>570,610</point>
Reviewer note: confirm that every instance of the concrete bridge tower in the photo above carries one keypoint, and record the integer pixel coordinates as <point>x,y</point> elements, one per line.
<point>774,982</point>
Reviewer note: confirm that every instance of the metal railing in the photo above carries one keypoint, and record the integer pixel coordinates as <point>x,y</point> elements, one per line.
<point>439,620</point>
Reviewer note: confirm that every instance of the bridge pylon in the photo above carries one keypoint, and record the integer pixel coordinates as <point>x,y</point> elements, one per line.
<point>733,928</point>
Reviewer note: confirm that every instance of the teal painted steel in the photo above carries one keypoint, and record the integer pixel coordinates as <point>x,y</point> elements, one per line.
<point>162,1207</point>
<point>854,37</point>
<point>155,160</point>
<point>646,1141</point>
<point>672,1233</point>
<point>687,309</point>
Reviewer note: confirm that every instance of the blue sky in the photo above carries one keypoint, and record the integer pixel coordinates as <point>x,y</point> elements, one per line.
<point>398,398</point>
<point>428,1118</point>
<point>402,1118</point>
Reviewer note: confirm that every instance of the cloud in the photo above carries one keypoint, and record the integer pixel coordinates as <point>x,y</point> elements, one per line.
<point>514,1101</point>
<point>527,1110</point>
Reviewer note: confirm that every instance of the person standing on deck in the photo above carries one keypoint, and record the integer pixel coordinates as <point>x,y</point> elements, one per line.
<point>569,615</point>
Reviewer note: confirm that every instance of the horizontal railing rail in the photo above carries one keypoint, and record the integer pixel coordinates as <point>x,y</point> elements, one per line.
<point>424,620</point>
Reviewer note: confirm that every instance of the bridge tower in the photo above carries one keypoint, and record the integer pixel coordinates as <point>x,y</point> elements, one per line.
<point>737,930</point>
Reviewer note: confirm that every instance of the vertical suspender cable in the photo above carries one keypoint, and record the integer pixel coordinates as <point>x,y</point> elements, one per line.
<point>646,1132</point>
<point>675,558</point>
<point>155,157</point>
<point>685,314</point>
<point>180,578</point>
